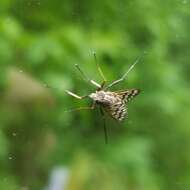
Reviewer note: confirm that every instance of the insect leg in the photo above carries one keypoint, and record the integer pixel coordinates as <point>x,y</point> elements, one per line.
<point>126,73</point>
<point>105,129</point>
<point>83,108</point>
<point>100,71</point>
<point>75,95</point>
<point>84,76</point>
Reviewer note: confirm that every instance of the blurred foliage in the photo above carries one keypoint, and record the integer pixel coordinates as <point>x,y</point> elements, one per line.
<point>41,41</point>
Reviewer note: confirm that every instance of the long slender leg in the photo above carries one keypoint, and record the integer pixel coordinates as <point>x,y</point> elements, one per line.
<point>104,123</point>
<point>100,71</point>
<point>125,74</point>
<point>84,76</point>
<point>83,108</point>
<point>69,93</point>
<point>75,95</point>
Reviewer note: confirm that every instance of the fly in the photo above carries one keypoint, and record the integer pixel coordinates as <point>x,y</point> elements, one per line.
<point>112,102</point>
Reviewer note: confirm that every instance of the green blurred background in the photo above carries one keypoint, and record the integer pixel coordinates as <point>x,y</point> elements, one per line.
<point>41,41</point>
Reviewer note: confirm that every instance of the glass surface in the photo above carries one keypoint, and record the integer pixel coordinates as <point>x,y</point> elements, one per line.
<point>45,144</point>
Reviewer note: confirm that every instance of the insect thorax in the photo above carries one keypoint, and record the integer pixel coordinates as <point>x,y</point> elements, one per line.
<point>104,97</point>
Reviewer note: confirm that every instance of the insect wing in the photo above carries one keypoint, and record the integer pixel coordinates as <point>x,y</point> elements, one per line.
<point>117,110</point>
<point>128,95</point>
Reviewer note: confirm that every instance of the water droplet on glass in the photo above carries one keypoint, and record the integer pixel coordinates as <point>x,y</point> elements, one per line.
<point>10,157</point>
<point>14,134</point>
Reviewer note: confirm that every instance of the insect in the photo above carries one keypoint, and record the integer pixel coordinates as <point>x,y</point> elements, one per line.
<point>112,102</point>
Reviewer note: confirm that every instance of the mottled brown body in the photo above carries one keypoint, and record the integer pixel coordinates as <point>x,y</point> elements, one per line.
<point>114,103</point>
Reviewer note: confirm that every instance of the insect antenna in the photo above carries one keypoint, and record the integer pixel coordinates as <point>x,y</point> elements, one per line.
<point>126,73</point>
